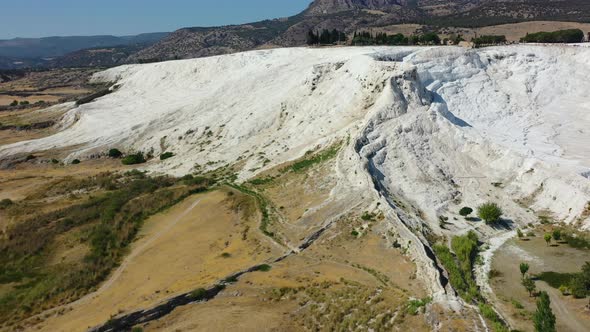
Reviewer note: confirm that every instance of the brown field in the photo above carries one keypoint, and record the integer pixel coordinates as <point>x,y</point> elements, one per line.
<point>177,251</point>
<point>7,99</point>
<point>339,271</point>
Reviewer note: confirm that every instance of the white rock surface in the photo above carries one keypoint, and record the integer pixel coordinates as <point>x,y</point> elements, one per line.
<point>432,129</point>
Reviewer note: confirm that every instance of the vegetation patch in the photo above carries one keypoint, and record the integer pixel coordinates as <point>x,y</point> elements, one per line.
<point>134,159</point>
<point>317,158</point>
<point>106,224</point>
<point>414,307</point>
<point>556,279</point>
<point>166,155</point>
<point>460,267</point>
<point>560,36</point>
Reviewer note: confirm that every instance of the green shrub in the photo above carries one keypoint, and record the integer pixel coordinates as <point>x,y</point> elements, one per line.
<point>226,255</point>
<point>576,241</point>
<point>460,269</point>
<point>134,159</point>
<point>489,40</point>
<point>557,235</point>
<point>415,306</point>
<point>54,161</point>
<point>578,287</point>
<point>198,294</point>
<point>547,237</point>
<point>354,233</point>
<point>517,304</point>
<point>115,153</point>
<point>14,103</point>
<point>490,212</point>
<point>564,290</point>
<point>75,161</point>
<point>5,203</point>
<point>166,155</point>
<point>465,211</point>
<point>264,268</point>
<point>137,329</point>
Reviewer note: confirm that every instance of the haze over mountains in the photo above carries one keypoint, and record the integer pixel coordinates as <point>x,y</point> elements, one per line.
<point>43,51</point>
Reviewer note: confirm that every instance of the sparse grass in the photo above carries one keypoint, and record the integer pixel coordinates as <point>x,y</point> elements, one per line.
<point>317,158</point>
<point>414,307</point>
<point>488,312</point>
<point>264,206</point>
<point>517,304</point>
<point>368,216</point>
<point>577,241</point>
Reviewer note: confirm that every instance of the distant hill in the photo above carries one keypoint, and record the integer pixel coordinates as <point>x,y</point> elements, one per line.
<point>345,15</point>
<point>31,52</point>
<point>353,15</point>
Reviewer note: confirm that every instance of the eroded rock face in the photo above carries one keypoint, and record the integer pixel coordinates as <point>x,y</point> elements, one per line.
<point>333,6</point>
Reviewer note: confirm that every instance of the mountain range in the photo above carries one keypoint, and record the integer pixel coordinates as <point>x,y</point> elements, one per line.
<point>353,15</point>
<point>344,15</point>
<point>56,51</point>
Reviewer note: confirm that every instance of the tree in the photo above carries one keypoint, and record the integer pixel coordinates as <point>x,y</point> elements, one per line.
<point>544,319</point>
<point>326,37</point>
<point>133,159</point>
<point>547,238</point>
<point>524,268</point>
<point>312,38</point>
<point>115,153</point>
<point>529,285</point>
<point>578,287</point>
<point>557,235</point>
<point>490,212</point>
<point>465,211</point>
<point>14,103</point>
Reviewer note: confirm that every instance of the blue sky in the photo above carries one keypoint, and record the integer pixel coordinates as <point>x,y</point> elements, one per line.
<point>41,18</point>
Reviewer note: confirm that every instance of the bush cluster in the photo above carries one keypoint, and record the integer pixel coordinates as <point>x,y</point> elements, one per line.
<point>134,159</point>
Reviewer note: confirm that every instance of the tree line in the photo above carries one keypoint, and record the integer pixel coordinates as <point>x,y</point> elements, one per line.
<point>560,36</point>
<point>381,38</point>
<point>326,37</point>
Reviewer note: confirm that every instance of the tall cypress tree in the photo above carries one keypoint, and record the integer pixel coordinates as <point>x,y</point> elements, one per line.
<point>544,319</point>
